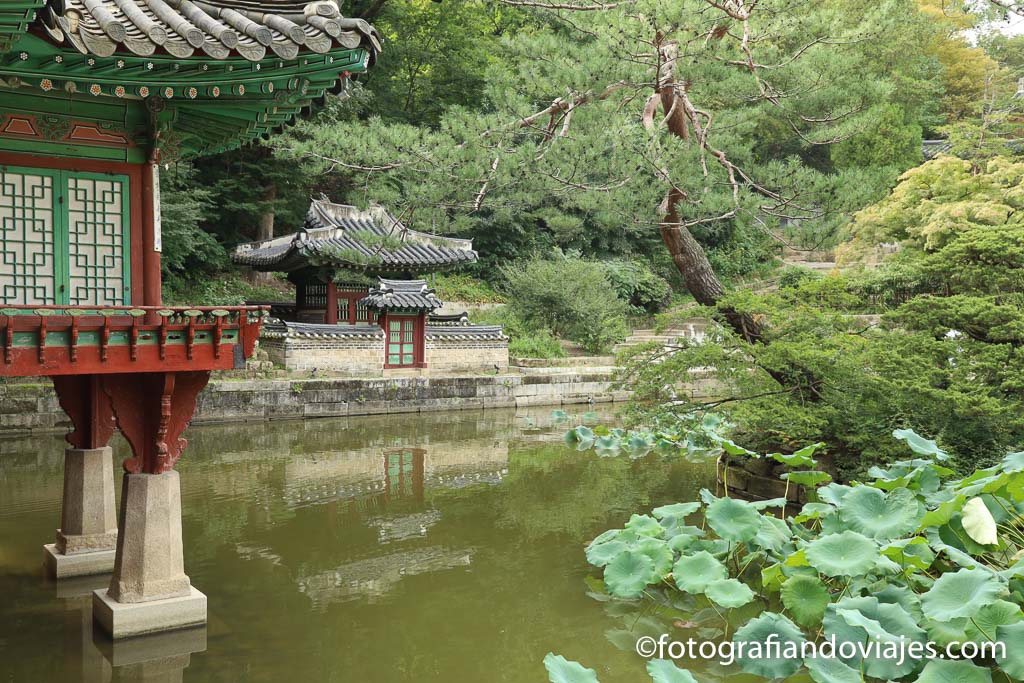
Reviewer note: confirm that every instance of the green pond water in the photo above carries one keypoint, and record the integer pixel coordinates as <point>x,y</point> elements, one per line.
<point>430,548</point>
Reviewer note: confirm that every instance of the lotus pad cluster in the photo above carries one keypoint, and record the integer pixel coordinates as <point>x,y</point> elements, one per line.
<point>914,555</point>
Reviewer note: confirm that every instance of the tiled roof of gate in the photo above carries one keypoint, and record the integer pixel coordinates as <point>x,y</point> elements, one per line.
<point>402,294</point>
<point>276,329</point>
<point>253,29</point>
<point>468,332</point>
<point>363,240</point>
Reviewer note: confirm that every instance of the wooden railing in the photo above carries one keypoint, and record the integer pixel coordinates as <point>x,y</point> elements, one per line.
<point>72,340</point>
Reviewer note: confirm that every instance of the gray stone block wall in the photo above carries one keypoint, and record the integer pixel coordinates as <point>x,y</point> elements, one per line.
<point>28,408</point>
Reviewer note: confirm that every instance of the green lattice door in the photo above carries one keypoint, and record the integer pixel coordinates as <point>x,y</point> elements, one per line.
<point>401,467</point>
<point>64,238</point>
<point>401,342</point>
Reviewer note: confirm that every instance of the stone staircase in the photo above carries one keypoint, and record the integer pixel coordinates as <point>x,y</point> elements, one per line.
<point>822,261</point>
<point>693,329</point>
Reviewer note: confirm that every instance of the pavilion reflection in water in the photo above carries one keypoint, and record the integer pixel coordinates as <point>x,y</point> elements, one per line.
<point>391,501</point>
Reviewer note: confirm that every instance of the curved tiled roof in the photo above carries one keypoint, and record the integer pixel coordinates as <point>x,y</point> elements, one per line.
<point>372,240</point>
<point>276,329</point>
<point>469,332</point>
<point>402,294</point>
<point>253,29</point>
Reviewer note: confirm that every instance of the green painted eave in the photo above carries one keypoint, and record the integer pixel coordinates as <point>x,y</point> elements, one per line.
<point>15,17</point>
<point>210,104</point>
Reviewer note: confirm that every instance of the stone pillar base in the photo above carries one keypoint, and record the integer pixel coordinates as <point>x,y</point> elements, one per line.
<point>149,591</point>
<point>88,534</point>
<point>61,566</point>
<point>124,620</point>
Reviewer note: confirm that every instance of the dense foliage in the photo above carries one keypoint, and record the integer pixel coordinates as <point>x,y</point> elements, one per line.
<point>932,338</point>
<point>569,297</point>
<point>911,555</point>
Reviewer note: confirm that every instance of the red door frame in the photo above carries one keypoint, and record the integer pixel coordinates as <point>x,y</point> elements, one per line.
<point>418,337</point>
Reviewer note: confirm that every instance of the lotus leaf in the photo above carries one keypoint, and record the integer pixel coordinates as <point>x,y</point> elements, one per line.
<point>953,671</point>
<point>693,573</point>
<point>645,526</point>
<point>601,554</point>
<point>979,523</point>
<point>846,554</point>
<point>1011,661</point>
<point>881,515</point>
<point>628,574</point>
<point>733,520</point>
<point>664,671</point>
<point>961,594</point>
<point>831,670</point>
<point>864,619</point>
<point>919,444</point>
<point>806,599</point>
<point>561,670</point>
<point>675,510</point>
<point>729,593</point>
<point>757,659</point>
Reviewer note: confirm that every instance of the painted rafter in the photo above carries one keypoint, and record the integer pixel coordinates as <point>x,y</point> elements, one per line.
<point>218,104</point>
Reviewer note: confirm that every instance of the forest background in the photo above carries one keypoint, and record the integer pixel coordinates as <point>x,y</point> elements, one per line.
<point>614,161</point>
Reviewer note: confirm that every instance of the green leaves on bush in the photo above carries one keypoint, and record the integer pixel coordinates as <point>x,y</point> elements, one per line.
<point>570,297</point>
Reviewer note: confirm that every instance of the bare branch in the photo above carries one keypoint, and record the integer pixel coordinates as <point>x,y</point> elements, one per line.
<point>568,6</point>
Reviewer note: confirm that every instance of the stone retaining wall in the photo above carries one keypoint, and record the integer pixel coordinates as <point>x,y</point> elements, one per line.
<point>461,355</point>
<point>351,356</point>
<point>363,356</point>
<point>33,407</point>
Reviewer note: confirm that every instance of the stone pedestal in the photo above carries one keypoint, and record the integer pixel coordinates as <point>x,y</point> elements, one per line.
<point>88,523</point>
<point>149,591</point>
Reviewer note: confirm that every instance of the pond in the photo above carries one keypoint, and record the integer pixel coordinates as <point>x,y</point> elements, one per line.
<point>430,548</point>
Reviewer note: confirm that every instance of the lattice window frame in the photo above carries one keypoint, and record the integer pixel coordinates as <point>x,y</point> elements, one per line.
<point>62,247</point>
<point>24,211</point>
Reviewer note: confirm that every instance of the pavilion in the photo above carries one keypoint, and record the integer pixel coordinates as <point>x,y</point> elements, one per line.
<point>95,96</point>
<point>361,307</point>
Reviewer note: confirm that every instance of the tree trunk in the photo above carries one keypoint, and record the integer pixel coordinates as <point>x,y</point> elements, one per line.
<point>688,256</point>
<point>265,228</point>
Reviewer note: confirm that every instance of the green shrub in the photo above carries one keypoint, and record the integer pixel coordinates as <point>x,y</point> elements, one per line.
<point>537,344</point>
<point>794,276</point>
<point>571,297</point>
<point>636,284</point>
<point>224,290</point>
<point>524,341</point>
<point>466,289</point>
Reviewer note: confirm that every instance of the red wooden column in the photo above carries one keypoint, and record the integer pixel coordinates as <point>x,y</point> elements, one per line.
<point>331,316</point>
<point>150,256</point>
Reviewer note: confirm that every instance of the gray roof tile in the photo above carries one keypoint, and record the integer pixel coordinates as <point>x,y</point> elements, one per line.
<point>218,28</point>
<point>372,240</point>
<point>402,294</point>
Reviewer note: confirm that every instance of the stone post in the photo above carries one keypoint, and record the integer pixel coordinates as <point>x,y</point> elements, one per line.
<point>87,536</point>
<point>149,591</point>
